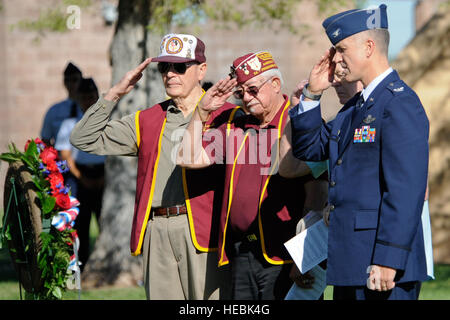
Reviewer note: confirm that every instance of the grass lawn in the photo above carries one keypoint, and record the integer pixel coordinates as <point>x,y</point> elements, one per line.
<point>9,287</point>
<point>438,289</point>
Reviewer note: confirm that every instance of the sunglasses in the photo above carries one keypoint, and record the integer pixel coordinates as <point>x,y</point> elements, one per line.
<point>252,90</point>
<point>180,68</point>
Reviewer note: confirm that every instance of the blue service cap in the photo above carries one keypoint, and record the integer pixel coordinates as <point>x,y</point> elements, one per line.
<point>347,23</point>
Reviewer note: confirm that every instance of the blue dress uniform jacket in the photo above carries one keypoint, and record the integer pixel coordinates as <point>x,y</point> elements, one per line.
<point>378,175</point>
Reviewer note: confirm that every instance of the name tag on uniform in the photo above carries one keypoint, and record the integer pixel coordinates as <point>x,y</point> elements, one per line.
<point>364,134</point>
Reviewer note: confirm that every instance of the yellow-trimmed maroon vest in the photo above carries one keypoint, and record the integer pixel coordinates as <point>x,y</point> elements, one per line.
<point>267,204</point>
<point>203,188</point>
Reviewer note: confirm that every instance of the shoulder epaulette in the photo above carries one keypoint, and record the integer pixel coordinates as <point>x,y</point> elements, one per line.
<point>397,87</point>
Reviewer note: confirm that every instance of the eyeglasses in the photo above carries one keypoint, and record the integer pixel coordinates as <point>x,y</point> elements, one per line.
<point>180,68</point>
<point>253,90</point>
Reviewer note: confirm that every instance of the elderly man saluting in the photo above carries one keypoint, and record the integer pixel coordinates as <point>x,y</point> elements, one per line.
<point>260,208</point>
<point>174,223</point>
<point>377,148</point>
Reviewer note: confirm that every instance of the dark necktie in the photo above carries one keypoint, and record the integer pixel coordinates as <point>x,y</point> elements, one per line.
<point>358,107</point>
<point>347,125</point>
<point>349,130</point>
<point>359,102</point>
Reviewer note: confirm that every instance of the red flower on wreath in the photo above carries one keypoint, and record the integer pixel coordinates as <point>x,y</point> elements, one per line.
<point>52,166</point>
<point>63,201</point>
<point>48,155</point>
<point>56,180</point>
<point>37,141</point>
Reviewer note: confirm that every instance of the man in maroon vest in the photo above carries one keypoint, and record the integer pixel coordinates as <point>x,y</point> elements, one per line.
<point>176,211</point>
<point>260,208</point>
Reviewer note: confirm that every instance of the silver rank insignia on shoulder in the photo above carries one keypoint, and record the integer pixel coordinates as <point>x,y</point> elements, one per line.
<point>398,89</point>
<point>369,119</point>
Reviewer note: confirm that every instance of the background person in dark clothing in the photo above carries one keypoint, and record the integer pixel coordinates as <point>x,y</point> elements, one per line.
<point>87,169</point>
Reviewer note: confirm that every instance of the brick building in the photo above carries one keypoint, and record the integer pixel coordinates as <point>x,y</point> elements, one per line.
<point>31,65</point>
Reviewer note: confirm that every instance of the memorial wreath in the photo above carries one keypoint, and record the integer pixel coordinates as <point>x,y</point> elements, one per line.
<point>38,220</point>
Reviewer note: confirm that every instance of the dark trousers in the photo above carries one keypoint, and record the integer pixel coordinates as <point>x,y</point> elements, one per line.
<point>401,291</point>
<point>90,202</point>
<point>72,183</point>
<point>253,278</point>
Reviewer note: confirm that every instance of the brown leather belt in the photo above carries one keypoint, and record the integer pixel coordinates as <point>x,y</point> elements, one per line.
<point>170,211</point>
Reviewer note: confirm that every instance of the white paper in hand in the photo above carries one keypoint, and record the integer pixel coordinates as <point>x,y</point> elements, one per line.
<point>309,247</point>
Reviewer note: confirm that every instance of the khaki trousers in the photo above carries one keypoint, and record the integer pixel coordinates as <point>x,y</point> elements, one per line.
<point>175,270</point>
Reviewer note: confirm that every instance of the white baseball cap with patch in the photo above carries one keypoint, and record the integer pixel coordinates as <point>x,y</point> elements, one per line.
<point>178,48</point>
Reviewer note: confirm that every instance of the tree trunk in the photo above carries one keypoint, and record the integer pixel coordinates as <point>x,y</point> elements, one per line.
<point>424,65</point>
<point>111,262</point>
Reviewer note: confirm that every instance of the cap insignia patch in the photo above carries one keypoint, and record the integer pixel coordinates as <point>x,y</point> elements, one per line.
<point>336,33</point>
<point>174,45</point>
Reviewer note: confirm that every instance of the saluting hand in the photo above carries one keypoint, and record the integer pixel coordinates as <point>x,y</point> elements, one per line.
<point>295,96</point>
<point>216,96</point>
<point>128,82</point>
<point>322,74</point>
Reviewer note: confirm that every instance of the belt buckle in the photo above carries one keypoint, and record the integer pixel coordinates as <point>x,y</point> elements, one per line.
<point>170,215</point>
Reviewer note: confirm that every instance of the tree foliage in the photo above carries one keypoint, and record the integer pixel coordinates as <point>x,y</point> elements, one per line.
<point>51,19</point>
<point>167,14</point>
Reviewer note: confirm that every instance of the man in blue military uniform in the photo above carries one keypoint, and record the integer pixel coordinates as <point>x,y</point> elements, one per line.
<point>377,148</point>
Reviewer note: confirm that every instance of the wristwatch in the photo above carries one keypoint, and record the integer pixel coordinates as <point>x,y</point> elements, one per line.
<point>309,95</point>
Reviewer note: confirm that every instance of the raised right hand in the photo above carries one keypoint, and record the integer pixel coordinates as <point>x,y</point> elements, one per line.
<point>295,96</point>
<point>126,84</point>
<point>322,74</point>
<point>216,96</point>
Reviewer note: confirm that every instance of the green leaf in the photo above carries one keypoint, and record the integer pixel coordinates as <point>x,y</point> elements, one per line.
<point>28,162</point>
<point>40,196</point>
<point>48,204</point>
<point>12,148</point>
<point>10,157</point>
<point>32,149</point>
<point>38,184</point>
